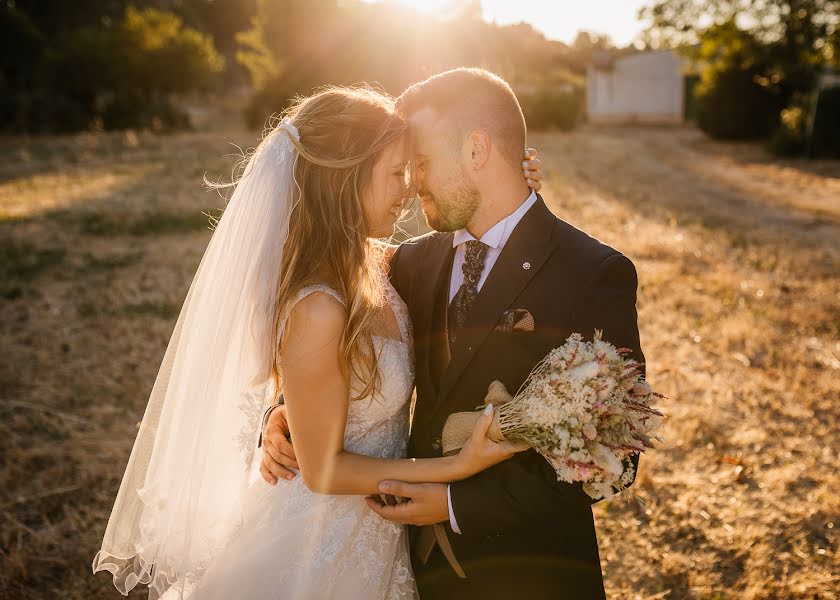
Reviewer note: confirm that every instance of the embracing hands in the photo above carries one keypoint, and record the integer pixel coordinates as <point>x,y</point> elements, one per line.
<point>401,502</point>
<point>411,503</point>
<point>278,453</point>
<point>428,503</point>
<point>479,453</point>
<point>532,169</point>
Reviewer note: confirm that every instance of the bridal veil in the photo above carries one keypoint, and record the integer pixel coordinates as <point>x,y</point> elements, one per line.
<point>181,495</point>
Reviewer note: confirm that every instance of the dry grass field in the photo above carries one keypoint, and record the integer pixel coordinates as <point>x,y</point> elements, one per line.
<point>739,262</point>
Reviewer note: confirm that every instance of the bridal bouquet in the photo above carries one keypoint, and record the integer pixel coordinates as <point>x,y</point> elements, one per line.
<point>583,407</point>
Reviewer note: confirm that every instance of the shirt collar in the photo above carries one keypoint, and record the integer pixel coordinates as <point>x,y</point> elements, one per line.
<point>497,236</point>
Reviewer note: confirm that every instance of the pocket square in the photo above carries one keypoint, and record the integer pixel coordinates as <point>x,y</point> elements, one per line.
<point>516,319</point>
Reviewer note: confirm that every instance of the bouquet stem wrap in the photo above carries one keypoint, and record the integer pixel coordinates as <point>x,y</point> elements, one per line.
<point>459,426</point>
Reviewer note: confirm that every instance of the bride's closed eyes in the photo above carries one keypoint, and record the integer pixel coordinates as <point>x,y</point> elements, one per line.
<point>386,194</point>
<point>401,172</point>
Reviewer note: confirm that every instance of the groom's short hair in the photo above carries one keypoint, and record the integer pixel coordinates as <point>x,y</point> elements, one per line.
<point>473,99</point>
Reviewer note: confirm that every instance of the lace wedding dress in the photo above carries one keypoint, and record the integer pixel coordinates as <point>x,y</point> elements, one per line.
<point>296,544</point>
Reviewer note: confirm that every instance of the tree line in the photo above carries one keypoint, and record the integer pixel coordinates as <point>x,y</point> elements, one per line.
<point>114,64</point>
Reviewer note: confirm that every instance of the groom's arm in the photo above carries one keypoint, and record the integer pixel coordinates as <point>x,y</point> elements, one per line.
<point>524,490</point>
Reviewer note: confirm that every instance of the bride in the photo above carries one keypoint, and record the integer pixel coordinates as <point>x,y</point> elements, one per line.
<point>291,294</point>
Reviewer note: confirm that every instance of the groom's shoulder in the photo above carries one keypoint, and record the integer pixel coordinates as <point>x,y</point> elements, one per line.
<point>410,257</point>
<point>420,245</point>
<point>431,237</point>
<point>590,251</point>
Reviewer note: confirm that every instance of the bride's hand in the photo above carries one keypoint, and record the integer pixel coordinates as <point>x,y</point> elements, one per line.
<point>532,169</point>
<point>480,452</point>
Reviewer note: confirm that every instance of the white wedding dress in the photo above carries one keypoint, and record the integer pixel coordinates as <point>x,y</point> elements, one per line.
<point>296,544</point>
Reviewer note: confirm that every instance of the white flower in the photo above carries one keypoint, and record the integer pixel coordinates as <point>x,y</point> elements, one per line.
<point>608,349</point>
<point>605,459</point>
<point>588,370</point>
<point>608,386</point>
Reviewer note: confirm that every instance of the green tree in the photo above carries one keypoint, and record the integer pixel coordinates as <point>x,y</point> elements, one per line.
<point>22,48</point>
<point>755,56</point>
<point>792,38</point>
<point>120,74</point>
<point>168,58</point>
<point>736,99</point>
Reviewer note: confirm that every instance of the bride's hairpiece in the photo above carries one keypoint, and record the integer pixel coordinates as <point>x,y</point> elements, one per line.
<point>287,124</point>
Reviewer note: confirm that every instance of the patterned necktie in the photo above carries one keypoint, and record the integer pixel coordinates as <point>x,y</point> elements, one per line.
<point>463,301</point>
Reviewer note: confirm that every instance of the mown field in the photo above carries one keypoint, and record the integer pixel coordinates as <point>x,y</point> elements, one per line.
<point>739,263</point>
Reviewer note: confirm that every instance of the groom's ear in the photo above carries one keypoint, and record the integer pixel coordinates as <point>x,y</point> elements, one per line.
<point>478,146</point>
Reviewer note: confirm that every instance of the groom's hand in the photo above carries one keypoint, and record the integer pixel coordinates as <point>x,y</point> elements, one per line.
<point>278,452</point>
<point>425,503</point>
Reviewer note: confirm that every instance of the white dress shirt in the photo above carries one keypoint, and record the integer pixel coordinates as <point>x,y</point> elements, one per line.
<point>496,237</point>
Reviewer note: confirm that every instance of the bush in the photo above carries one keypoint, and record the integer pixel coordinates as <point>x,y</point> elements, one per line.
<point>22,48</point>
<point>21,43</point>
<point>551,107</point>
<point>732,105</point>
<point>125,111</point>
<point>789,138</point>
<point>826,136</point>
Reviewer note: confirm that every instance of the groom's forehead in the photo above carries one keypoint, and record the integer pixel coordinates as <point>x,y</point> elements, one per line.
<point>426,125</point>
<point>426,121</point>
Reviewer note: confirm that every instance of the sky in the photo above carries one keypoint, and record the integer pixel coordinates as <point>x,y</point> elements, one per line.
<point>559,19</point>
<point>562,19</point>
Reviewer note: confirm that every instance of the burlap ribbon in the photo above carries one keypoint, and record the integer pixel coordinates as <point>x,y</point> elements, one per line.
<point>459,426</point>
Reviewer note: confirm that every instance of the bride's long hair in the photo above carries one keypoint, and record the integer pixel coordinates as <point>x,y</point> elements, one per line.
<point>343,132</point>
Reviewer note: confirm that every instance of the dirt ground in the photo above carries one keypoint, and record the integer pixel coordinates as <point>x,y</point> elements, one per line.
<point>738,257</point>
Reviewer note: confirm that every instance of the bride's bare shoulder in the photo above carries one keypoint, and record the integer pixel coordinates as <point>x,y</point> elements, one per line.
<point>313,330</point>
<point>315,323</point>
<point>319,308</point>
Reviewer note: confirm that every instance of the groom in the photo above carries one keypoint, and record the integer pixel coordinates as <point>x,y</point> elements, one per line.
<point>500,283</point>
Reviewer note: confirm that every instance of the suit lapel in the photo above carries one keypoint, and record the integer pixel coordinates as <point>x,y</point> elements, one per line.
<point>524,253</point>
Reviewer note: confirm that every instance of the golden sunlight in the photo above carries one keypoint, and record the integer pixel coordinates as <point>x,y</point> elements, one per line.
<point>427,6</point>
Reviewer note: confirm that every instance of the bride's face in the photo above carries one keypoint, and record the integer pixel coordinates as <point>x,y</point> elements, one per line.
<point>384,197</point>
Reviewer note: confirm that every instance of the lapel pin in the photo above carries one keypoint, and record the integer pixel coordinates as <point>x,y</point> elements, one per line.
<point>526,265</point>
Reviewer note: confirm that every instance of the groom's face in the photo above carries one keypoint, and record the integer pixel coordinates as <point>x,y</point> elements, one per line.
<point>448,195</point>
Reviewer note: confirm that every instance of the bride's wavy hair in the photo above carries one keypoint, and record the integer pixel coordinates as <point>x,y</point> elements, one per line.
<point>343,131</point>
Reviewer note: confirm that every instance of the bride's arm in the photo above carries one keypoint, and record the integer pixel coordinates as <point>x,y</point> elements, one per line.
<point>317,399</point>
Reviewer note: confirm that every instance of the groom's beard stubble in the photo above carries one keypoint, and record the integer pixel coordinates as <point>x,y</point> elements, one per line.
<point>453,211</point>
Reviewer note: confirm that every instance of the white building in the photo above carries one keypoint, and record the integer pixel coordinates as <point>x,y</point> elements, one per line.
<point>647,87</point>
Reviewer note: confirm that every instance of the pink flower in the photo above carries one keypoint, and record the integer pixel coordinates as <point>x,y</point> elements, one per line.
<point>640,388</point>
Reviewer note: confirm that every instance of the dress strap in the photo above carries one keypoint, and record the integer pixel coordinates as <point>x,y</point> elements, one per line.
<point>301,294</point>
<point>318,287</point>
